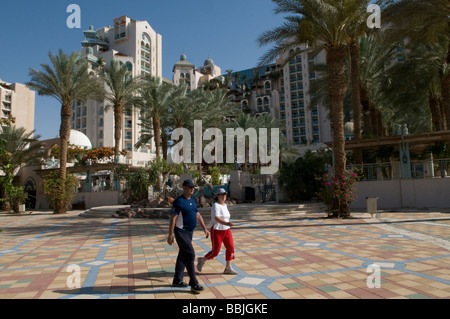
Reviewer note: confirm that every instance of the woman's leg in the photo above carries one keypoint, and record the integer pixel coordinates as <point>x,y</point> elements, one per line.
<point>216,243</point>
<point>229,245</point>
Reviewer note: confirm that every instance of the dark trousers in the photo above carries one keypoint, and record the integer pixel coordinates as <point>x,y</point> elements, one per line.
<point>186,256</point>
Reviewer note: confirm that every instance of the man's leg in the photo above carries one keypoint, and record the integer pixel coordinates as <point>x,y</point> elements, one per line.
<point>179,269</point>
<point>186,256</point>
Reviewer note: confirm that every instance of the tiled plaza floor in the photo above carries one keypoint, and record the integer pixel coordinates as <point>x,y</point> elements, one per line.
<point>277,257</point>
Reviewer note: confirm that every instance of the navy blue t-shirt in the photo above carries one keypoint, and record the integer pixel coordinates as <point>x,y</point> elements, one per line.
<point>187,220</point>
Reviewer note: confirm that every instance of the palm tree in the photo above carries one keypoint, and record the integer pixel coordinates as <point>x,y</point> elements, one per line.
<point>359,30</point>
<point>422,22</point>
<point>245,121</point>
<point>68,81</point>
<point>120,91</point>
<point>154,99</point>
<point>415,82</point>
<point>19,148</point>
<point>178,113</point>
<point>376,58</point>
<point>325,24</point>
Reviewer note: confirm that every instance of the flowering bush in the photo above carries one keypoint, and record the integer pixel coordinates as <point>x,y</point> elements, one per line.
<point>83,155</point>
<point>58,194</point>
<point>101,154</point>
<point>73,152</point>
<point>338,193</point>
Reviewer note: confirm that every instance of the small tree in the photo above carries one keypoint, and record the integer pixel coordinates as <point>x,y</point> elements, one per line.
<point>137,184</point>
<point>339,193</point>
<point>59,191</point>
<point>13,195</point>
<point>301,179</point>
<point>17,148</point>
<point>215,176</point>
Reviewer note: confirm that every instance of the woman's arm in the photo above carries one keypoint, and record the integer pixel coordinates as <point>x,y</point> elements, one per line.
<point>221,221</point>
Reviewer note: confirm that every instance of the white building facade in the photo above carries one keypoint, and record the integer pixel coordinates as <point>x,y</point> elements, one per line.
<point>137,45</point>
<point>185,72</point>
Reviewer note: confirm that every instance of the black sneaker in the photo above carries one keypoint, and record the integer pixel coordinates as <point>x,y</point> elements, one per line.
<point>179,284</point>
<point>197,289</point>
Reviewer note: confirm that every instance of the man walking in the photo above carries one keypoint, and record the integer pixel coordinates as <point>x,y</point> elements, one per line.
<point>182,224</point>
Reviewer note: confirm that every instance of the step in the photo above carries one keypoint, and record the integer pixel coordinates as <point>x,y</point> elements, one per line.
<point>239,210</point>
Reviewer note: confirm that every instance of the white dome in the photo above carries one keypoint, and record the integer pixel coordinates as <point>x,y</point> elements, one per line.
<point>79,139</point>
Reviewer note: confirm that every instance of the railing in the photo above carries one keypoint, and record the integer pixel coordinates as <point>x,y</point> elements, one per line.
<point>437,168</point>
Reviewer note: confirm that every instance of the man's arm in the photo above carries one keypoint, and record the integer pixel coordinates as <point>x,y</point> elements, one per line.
<point>202,223</point>
<point>171,237</point>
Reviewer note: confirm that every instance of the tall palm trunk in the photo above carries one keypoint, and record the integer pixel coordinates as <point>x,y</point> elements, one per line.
<point>157,132</point>
<point>435,112</point>
<point>373,119</point>
<point>64,133</point>
<point>445,88</point>
<point>443,116</point>
<point>165,146</point>
<point>356,95</point>
<point>365,103</point>
<point>336,55</point>
<point>118,122</point>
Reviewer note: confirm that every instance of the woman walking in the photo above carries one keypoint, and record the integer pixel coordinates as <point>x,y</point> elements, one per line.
<point>220,233</point>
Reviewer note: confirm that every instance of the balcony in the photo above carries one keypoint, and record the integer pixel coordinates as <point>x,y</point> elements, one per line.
<point>145,49</point>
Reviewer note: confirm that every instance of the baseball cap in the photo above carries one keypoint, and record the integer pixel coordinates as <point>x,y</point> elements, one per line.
<point>221,191</point>
<point>189,183</point>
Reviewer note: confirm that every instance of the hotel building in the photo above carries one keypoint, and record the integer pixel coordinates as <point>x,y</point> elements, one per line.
<point>185,72</point>
<point>137,45</point>
<point>282,89</point>
<point>18,101</point>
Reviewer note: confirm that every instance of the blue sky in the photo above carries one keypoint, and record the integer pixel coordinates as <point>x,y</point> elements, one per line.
<point>226,31</point>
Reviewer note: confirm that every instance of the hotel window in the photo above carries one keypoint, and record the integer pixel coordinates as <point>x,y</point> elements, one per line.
<point>129,66</point>
<point>100,124</point>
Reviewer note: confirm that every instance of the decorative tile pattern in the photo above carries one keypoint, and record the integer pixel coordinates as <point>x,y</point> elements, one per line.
<point>276,257</point>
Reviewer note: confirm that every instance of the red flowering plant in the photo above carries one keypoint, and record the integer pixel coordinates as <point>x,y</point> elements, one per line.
<point>73,152</point>
<point>338,193</point>
<point>101,154</point>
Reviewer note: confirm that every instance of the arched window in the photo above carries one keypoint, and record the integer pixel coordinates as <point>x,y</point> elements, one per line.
<point>30,184</point>
<point>146,38</point>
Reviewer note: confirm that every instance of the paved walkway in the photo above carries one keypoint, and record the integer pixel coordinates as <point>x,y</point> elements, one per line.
<point>277,257</point>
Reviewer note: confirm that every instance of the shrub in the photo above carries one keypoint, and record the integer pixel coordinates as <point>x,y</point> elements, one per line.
<point>338,193</point>
<point>301,178</point>
<point>215,176</point>
<point>137,184</point>
<point>58,194</point>
<point>13,195</point>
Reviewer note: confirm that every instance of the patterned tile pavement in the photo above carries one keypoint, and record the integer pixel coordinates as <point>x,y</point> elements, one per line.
<point>277,257</point>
